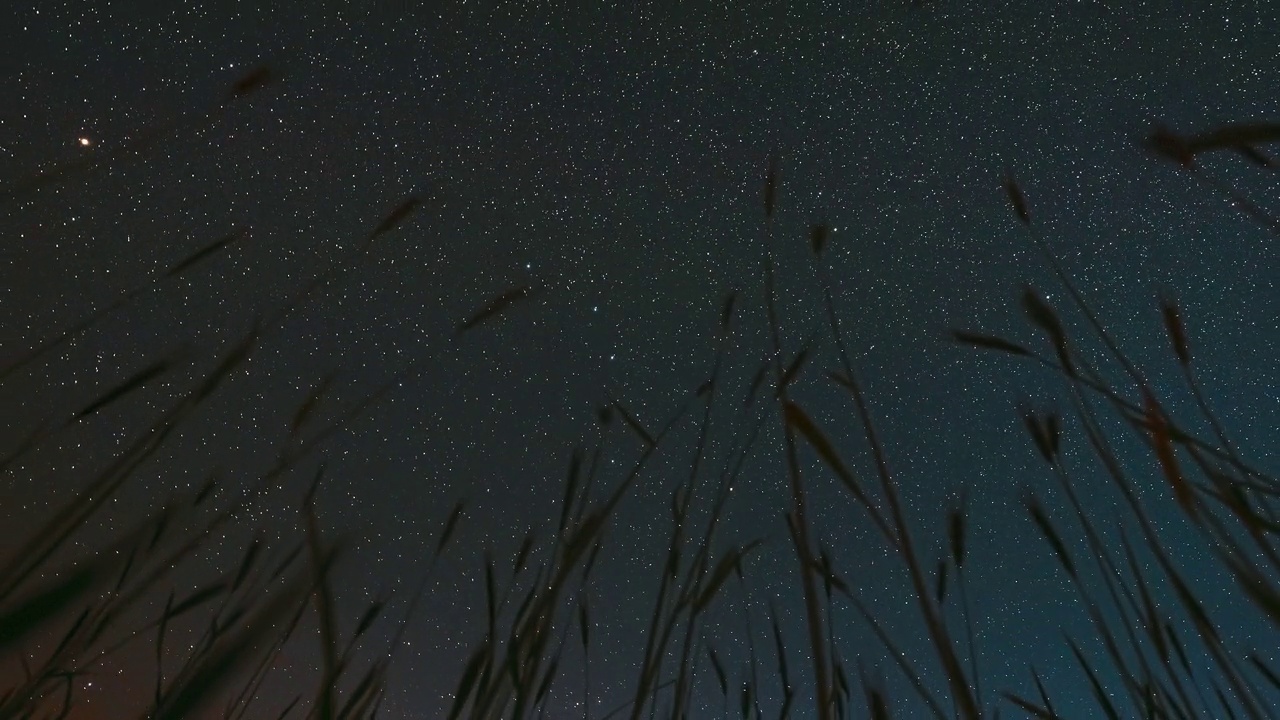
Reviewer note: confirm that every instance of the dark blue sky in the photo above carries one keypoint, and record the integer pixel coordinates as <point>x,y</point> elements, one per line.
<point>614,158</point>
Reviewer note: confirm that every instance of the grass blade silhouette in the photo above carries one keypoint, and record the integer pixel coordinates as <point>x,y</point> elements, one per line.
<point>493,308</point>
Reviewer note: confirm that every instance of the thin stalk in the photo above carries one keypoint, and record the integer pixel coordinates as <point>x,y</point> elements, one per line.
<point>966,703</point>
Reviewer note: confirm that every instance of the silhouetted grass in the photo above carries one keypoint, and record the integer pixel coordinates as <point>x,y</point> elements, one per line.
<point>83,611</point>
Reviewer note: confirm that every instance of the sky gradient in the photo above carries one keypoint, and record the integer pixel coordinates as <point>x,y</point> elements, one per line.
<point>614,159</point>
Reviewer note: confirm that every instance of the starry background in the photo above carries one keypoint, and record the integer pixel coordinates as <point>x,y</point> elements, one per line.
<point>614,157</point>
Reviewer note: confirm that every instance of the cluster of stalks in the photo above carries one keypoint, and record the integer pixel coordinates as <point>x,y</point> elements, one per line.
<point>62,616</point>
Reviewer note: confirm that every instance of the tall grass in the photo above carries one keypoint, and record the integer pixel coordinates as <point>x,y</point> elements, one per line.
<point>65,613</point>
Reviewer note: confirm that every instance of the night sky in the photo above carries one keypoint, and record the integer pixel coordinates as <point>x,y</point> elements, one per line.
<point>614,159</point>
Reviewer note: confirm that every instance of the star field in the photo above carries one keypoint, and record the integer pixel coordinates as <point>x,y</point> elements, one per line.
<point>613,159</point>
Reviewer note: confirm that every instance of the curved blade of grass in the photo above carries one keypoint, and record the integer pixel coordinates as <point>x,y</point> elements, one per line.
<point>716,667</point>
<point>756,382</point>
<point>1160,438</point>
<point>493,308</point>
<point>780,647</point>
<point>1266,671</point>
<point>798,420</point>
<point>899,657</point>
<point>364,693</point>
<point>818,236</point>
<point>726,565</point>
<point>234,359</point>
<point>246,563</point>
<point>395,217</point>
<point>199,597</point>
<point>1176,330</point>
<point>206,252</point>
<point>634,424</point>
<point>789,375</point>
<point>1043,433</point>
<point>308,405</point>
<point>522,554</point>
<point>322,596</point>
<point>726,311</point>
<point>253,81</point>
<point>490,596</point>
<point>1043,316</point>
<point>1016,198</point>
<point>31,613</point>
<point>370,616</point>
<point>957,518</point>
<point>1044,696</point>
<point>1099,693</point>
<point>771,187</point>
<point>130,384</point>
<point>988,342</point>
<point>230,653</point>
<point>450,525</point>
<point>66,335</point>
<point>552,667</point>
<point>470,673</point>
<point>1029,707</point>
<point>1042,521</point>
<point>1231,137</point>
<point>877,705</point>
<point>570,488</point>
<point>940,593</point>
